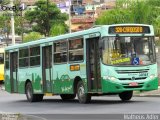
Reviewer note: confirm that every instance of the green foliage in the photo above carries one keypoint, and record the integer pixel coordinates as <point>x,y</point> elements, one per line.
<point>129,11</point>
<point>58,29</point>
<point>4,2</point>
<point>155,3</point>
<point>32,36</point>
<point>141,12</point>
<point>40,14</point>
<point>114,16</point>
<point>5,24</point>
<point>5,19</point>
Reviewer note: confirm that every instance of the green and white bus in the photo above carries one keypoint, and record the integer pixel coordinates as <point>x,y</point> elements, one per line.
<point>104,60</point>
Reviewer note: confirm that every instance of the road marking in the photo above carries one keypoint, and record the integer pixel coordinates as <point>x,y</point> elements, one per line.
<point>38,118</point>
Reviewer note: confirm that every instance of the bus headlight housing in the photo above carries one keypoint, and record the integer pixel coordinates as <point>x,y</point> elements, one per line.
<point>110,78</point>
<point>152,76</point>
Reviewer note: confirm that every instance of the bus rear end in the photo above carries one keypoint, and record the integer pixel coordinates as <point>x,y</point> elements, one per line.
<point>1,64</point>
<point>128,60</point>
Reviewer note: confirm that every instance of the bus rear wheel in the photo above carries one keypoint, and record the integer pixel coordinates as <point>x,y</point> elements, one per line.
<point>126,96</point>
<point>67,96</point>
<point>30,96</point>
<point>82,96</point>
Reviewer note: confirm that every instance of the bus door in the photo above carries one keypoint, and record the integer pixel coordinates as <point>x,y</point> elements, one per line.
<point>47,68</point>
<point>14,71</point>
<point>93,64</point>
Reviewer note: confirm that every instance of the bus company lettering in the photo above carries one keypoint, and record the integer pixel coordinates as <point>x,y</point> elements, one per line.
<point>66,89</point>
<point>120,60</point>
<point>129,29</point>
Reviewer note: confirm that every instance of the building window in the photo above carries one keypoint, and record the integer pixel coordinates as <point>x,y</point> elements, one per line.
<point>60,52</point>
<point>76,50</point>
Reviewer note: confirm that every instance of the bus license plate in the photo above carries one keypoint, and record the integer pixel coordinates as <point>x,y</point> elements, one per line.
<point>145,74</point>
<point>133,84</point>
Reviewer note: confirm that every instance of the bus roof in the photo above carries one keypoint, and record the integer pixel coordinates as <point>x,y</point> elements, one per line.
<point>50,39</point>
<point>94,29</point>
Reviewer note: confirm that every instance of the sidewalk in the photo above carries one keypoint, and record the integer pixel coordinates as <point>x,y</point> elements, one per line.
<point>154,93</point>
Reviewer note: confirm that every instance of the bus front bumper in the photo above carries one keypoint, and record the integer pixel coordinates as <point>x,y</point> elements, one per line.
<point>109,86</point>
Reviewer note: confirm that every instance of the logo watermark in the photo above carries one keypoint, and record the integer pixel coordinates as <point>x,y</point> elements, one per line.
<point>14,8</point>
<point>7,10</point>
<point>141,116</point>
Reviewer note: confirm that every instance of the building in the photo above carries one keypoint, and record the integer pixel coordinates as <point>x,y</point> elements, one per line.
<point>4,41</point>
<point>83,12</point>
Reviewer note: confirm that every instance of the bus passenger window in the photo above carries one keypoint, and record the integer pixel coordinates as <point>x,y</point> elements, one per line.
<point>6,60</point>
<point>1,58</point>
<point>23,57</point>
<point>76,50</point>
<point>60,52</point>
<point>35,56</point>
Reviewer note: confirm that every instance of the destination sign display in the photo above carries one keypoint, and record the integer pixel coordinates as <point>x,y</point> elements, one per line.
<point>128,29</point>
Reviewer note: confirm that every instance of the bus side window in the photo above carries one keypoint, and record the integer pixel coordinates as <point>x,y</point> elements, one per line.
<point>24,57</point>
<point>1,58</point>
<point>34,56</point>
<point>6,60</point>
<point>60,52</point>
<point>76,50</point>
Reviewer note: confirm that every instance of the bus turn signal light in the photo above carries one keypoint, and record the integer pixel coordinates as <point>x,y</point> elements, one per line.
<point>74,67</point>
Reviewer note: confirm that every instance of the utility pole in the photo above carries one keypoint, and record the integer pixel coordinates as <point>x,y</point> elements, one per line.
<point>47,17</point>
<point>12,24</point>
<point>70,2</point>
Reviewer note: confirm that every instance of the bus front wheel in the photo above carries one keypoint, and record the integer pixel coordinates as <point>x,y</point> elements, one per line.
<point>82,96</point>
<point>31,97</point>
<point>126,96</point>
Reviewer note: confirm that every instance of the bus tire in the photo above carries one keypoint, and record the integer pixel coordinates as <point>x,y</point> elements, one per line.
<point>29,93</point>
<point>126,96</point>
<point>82,96</point>
<point>67,96</point>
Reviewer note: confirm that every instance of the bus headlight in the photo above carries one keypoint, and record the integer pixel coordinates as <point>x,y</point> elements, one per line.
<point>152,76</point>
<point>109,77</point>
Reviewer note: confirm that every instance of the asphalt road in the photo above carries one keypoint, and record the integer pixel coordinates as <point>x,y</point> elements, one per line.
<point>17,103</point>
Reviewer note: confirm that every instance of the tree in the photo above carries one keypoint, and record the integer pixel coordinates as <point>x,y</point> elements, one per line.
<point>114,16</point>
<point>58,29</point>
<point>4,2</point>
<point>40,14</point>
<point>129,11</point>
<point>5,16</point>
<point>32,36</point>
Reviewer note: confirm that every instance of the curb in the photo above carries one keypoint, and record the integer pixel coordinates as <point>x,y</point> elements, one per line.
<point>146,95</point>
<point>31,117</point>
<point>154,93</point>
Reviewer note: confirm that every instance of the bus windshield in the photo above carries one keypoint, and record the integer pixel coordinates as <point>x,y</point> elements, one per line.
<point>1,58</point>
<point>128,50</point>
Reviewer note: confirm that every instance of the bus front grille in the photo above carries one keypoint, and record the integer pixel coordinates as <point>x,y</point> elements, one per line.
<point>132,71</point>
<point>139,78</point>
